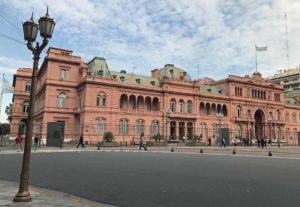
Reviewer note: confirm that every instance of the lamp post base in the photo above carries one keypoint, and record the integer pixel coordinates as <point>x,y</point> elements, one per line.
<point>22,197</point>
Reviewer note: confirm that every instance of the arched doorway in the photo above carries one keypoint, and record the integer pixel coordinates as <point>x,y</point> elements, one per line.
<point>259,119</point>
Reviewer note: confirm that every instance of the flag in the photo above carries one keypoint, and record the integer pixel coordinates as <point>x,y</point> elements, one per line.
<point>6,86</point>
<point>261,48</point>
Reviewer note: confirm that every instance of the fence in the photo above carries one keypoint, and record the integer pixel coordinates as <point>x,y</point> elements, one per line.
<point>125,132</point>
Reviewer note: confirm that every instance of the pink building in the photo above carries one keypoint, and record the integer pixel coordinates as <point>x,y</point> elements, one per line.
<point>90,99</point>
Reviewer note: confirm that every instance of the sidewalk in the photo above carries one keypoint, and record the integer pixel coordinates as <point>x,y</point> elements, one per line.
<point>42,198</point>
<point>284,151</point>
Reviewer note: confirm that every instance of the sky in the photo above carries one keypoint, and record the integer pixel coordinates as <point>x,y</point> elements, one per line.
<point>207,38</point>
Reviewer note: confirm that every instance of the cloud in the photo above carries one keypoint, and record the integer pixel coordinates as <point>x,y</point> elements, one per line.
<point>9,65</point>
<point>219,35</point>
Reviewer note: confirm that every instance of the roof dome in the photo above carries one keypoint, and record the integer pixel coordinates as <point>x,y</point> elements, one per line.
<point>173,73</point>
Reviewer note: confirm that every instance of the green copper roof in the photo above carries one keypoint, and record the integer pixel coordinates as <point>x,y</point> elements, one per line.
<point>135,79</point>
<point>98,67</point>
<point>173,73</point>
<point>212,90</point>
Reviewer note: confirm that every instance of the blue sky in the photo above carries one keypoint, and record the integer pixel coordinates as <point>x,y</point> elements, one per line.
<point>217,35</point>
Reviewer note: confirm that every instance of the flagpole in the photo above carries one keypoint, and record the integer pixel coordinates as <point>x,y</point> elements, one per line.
<point>1,92</point>
<point>255,58</point>
<point>287,43</point>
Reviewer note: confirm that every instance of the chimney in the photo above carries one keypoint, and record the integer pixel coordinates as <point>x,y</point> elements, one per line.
<point>154,73</point>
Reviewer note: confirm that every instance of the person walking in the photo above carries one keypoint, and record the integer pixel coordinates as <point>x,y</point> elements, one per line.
<point>278,142</point>
<point>209,141</point>
<point>142,144</point>
<point>35,142</point>
<point>81,142</point>
<point>19,140</point>
<point>223,143</point>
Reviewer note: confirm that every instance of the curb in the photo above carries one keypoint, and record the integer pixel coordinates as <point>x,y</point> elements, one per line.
<point>38,193</point>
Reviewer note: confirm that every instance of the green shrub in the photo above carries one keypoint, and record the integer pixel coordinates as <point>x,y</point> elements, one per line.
<point>108,137</point>
<point>197,138</point>
<point>157,137</point>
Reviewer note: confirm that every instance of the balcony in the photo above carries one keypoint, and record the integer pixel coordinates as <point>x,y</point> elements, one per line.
<point>183,115</point>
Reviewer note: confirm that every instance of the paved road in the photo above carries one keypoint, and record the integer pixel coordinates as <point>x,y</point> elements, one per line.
<point>139,179</point>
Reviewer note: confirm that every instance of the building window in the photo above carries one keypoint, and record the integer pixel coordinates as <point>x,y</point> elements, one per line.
<point>277,97</point>
<point>123,126</point>
<point>98,98</point>
<point>100,73</point>
<point>294,117</point>
<point>139,127</point>
<point>121,103</point>
<point>79,101</point>
<point>63,74</point>
<point>189,107</point>
<point>181,106</point>
<point>287,132</point>
<point>172,105</point>
<point>238,112</point>
<point>27,87</point>
<point>287,117</point>
<point>100,126</point>
<point>277,115</point>
<point>154,128</point>
<point>238,91</point>
<point>249,114</point>
<point>202,130</point>
<point>26,107</point>
<point>103,101</point>
<point>61,102</point>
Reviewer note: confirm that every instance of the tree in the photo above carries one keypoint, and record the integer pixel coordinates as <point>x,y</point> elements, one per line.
<point>8,110</point>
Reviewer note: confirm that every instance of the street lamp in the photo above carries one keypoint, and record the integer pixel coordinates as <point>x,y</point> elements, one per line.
<point>167,113</point>
<point>30,28</point>
<point>219,117</point>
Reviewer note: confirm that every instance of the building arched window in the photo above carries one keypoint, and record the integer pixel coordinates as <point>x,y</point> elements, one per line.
<point>215,130</point>
<point>103,101</point>
<point>123,126</point>
<point>277,115</point>
<point>173,105</point>
<point>287,117</point>
<point>154,128</point>
<point>27,87</point>
<point>61,102</point>
<point>26,107</point>
<point>294,117</point>
<point>249,113</point>
<point>139,129</point>
<point>98,100</point>
<point>181,106</point>
<point>100,126</point>
<point>189,107</point>
<point>207,109</point>
<point>238,112</point>
<point>202,130</point>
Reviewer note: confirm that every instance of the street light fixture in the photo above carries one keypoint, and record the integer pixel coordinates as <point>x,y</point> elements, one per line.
<point>167,114</point>
<point>30,28</point>
<point>219,117</point>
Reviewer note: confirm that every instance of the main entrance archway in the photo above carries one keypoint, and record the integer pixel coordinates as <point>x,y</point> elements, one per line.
<point>259,119</point>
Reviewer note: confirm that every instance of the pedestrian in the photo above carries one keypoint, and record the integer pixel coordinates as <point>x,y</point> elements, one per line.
<point>265,142</point>
<point>35,142</point>
<point>142,144</point>
<point>258,142</point>
<point>278,142</point>
<point>262,143</point>
<point>269,142</point>
<point>223,143</point>
<point>81,142</point>
<point>209,141</point>
<point>19,140</point>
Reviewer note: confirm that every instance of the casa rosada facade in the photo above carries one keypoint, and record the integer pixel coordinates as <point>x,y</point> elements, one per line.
<point>90,99</point>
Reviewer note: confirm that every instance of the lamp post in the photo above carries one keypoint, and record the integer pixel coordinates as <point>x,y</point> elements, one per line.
<point>167,113</point>
<point>219,116</point>
<point>30,28</point>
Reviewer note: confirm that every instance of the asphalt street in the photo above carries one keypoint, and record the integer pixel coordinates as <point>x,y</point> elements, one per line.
<point>141,179</point>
